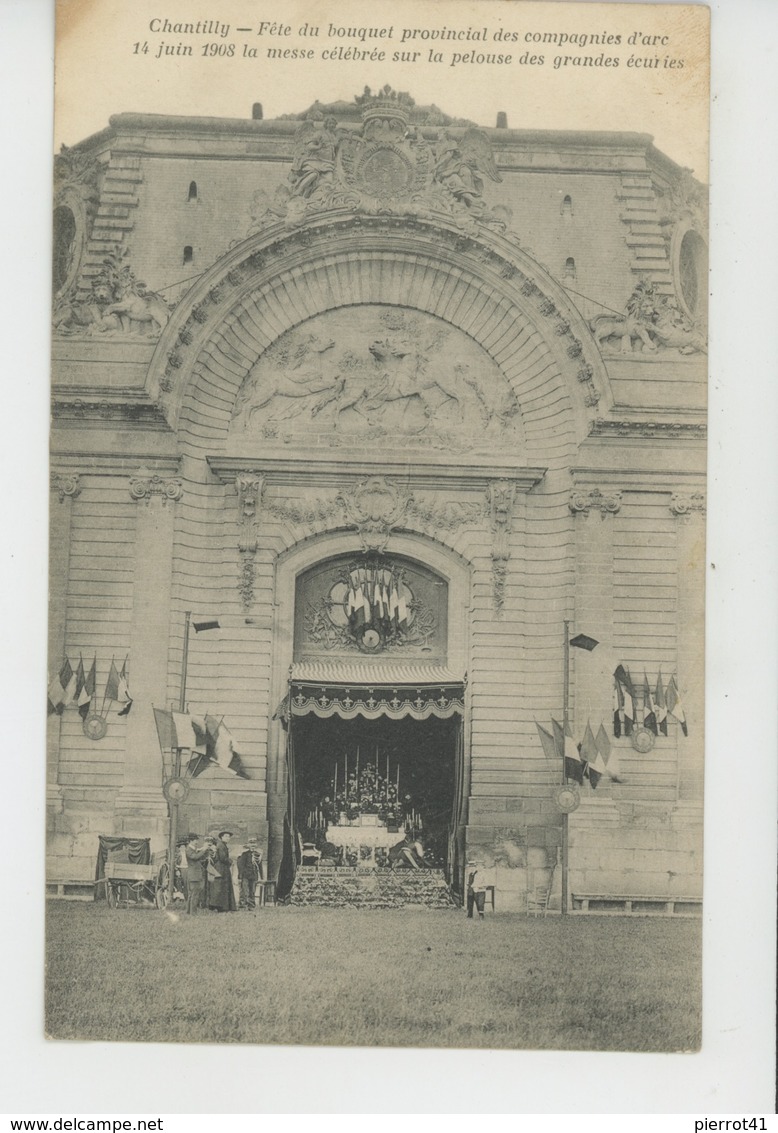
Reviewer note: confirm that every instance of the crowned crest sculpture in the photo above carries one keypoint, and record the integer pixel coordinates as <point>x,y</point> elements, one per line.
<point>388,165</point>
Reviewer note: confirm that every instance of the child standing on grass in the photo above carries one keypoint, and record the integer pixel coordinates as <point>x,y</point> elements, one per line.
<point>476,888</point>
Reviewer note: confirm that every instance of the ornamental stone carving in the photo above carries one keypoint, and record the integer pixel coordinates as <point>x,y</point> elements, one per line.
<point>651,319</point>
<point>375,507</point>
<point>581,503</point>
<point>65,484</point>
<point>385,166</point>
<point>145,486</point>
<point>378,373</point>
<point>502,496</point>
<point>249,486</point>
<point>118,304</point>
<point>683,505</point>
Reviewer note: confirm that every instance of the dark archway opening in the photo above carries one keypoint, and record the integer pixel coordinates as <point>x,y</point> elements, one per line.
<point>402,771</point>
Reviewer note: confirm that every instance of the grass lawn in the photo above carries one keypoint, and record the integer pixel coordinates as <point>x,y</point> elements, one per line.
<point>405,977</point>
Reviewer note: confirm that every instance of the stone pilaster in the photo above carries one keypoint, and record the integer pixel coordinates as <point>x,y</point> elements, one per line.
<point>689,510</point>
<point>140,805</point>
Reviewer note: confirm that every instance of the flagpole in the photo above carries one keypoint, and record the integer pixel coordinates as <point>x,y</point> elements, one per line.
<point>565,719</point>
<point>171,850</point>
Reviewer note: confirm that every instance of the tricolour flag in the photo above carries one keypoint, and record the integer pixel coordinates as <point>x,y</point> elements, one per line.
<point>624,682</point>
<point>660,706</point>
<point>609,757</point>
<point>112,684</point>
<point>649,709</point>
<point>62,688</point>
<point>674,705</point>
<point>221,746</point>
<point>124,692</point>
<point>86,695</point>
<point>595,764</point>
<point>567,747</point>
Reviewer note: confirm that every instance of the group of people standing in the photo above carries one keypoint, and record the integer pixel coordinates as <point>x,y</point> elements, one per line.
<point>207,870</point>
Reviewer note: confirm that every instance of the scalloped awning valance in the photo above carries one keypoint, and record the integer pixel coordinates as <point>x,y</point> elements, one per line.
<point>352,689</point>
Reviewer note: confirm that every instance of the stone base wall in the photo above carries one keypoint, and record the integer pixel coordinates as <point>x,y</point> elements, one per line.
<point>636,848</point>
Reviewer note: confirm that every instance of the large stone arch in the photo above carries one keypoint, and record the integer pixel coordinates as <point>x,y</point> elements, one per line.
<point>486,286</point>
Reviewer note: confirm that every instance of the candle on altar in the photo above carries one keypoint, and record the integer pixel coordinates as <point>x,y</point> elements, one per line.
<point>345,774</point>
<point>386,783</point>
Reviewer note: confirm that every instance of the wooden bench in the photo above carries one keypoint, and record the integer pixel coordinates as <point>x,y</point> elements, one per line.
<point>636,905</point>
<point>70,889</point>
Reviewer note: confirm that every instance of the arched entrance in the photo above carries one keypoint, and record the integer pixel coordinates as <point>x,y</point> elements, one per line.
<point>373,714</point>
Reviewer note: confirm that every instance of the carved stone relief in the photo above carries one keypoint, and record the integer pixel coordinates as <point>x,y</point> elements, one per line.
<point>650,319</point>
<point>249,487</point>
<point>117,305</point>
<point>502,495</point>
<point>378,373</point>
<point>384,166</point>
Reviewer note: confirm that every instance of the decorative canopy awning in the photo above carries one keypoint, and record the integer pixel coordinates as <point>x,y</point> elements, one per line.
<point>352,689</point>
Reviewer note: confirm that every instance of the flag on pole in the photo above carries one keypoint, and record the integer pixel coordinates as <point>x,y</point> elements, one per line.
<point>183,730</point>
<point>660,706</point>
<point>649,708</point>
<point>124,692</point>
<point>609,757</point>
<point>112,684</point>
<point>221,746</point>
<point>618,710</point>
<point>80,679</point>
<point>595,765</point>
<point>573,764</point>
<point>547,740</point>
<point>62,689</point>
<point>674,705</point>
<point>86,695</point>
<point>627,691</point>
<point>165,730</point>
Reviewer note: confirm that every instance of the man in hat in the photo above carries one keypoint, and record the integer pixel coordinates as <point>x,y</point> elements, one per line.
<point>221,895</point>
<point>249,873</point>
<point>196,856</point>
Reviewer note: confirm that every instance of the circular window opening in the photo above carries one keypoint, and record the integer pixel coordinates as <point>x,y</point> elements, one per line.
<point>693,274</point>
<point>64,246</point>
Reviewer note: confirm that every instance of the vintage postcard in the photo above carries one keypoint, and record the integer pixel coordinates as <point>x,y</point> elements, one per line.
<point>378,492</point>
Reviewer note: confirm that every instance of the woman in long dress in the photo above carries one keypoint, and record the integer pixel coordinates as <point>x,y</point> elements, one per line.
<point>221,895</point>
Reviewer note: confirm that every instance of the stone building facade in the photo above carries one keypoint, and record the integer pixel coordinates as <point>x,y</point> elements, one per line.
<point>372,335</point>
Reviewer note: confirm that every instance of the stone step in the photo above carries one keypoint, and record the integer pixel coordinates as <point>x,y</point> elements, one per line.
<point>371,889</point>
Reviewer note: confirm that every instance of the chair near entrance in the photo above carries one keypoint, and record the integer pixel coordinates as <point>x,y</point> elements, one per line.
<point>309,855</point>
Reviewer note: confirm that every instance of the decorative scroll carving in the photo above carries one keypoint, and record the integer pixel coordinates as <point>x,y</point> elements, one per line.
<point>146,485</point>
<point>682,505</point>
<point>581,503</point>
<point>502,495</point>
<point>249,487</point>
<point>375,507</point>
<point>65,484</point>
